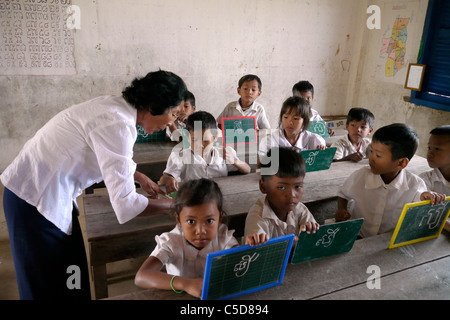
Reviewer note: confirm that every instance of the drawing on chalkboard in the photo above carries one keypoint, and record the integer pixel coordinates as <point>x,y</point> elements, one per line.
<point>420,221</point>
<point>319,127</point>
<point>242,267</point>
<point>238,127</point>
<point>241,270</point>
<point>328,238</point>
<point>239,130</point>
<point>316,159</point>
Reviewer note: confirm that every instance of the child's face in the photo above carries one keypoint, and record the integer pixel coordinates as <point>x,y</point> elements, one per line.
<point>199,223</point>
<point>307,95</point>
<point>186,109</point>
<point>248,92</point>
<point>292,123</point>
<point>358,130</point>
<point>201,144</point>
<point>380,159</point>
<point>283,194</point>
<point>438,155</point>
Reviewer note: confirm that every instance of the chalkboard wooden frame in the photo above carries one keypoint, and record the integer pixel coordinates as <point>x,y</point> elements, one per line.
<point>213,259</point>
<point>327,243</point>
<point>226,120</point>
<point>316,159</point>
<point>409,209</point>
<point>313,125</point>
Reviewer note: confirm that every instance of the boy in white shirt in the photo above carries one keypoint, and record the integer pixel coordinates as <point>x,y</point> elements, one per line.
<point>249,89</point>
<point>438,158</point>
<point>354,145</point>
<point>306,90</point>
<point>280,211</point>
<point>173,130</point>
<point>201,159</point>
<point>379,192</point>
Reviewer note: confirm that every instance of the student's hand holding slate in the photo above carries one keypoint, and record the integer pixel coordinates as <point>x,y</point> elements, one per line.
<point>309,227</point>
<point>435,197</point>
<point>256,239</point>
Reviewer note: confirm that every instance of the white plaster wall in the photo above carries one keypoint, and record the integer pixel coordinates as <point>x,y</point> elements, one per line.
<point>209,43</point>
<point>385,96</point>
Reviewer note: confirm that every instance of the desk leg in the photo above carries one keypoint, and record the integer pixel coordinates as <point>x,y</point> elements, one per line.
<point>100,281</point>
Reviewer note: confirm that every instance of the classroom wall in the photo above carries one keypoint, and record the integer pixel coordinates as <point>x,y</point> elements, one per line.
<point>210,44</point>
<point>385,94</point>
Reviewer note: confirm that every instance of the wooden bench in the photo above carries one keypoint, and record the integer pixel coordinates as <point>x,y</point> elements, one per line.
<point>110,241</point>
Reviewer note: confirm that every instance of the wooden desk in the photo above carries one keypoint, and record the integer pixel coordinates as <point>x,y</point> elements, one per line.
<point>110,241</point>
<point>416,271</point>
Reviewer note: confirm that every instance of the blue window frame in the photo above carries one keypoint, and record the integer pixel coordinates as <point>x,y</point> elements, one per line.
<point>435,54</point>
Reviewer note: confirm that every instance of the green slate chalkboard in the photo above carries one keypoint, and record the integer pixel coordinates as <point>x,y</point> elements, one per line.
<point>237,130</point>
<point>330,239</point>
<point>319,127</point>
<point>316,159</point>
<point>420,221</point>
<point>241,270</point>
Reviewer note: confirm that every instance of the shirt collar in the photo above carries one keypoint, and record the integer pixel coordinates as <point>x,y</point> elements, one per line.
<point>239,107</point>
<point>374,181</point>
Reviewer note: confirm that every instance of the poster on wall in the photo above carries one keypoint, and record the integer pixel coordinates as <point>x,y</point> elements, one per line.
<point>35,38</point>
<point>395,42</point>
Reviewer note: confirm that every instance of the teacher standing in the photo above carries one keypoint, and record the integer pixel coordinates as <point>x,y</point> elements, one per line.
<point>82,145</point>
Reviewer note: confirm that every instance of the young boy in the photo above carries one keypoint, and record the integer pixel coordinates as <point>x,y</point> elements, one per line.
<point>306,90</point>
<point>174,130</point>
<point>201,159</point>
<point>353,146</point>
<point>438,157</point>
<point>379,192</point>
<point>280,212</point>
<point>249,88</point>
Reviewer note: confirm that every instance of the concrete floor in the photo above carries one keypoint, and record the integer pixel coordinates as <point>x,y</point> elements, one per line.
<point>8,285</point>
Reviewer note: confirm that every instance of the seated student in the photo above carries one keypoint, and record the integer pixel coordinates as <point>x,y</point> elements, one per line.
<point>249,88</point>
<point>201,159</point>
<point>306,90</point>
<point>174,130</point>
<point>438,158</point>
<point>354,145</point>
<point>183,251</point>
<point>379,192</point>
<point>292,132</point>
<point>280,211</point>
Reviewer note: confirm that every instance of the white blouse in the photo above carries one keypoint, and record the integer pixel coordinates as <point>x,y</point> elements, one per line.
<point>82,145</point>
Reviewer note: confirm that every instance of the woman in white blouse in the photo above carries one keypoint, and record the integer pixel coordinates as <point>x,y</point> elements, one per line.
<point>82,145</point>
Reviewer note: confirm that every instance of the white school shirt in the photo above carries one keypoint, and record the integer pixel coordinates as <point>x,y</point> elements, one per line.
<point>82,145</point>
<point>185,164</point>
<point>315,116</point>
<point>234,109</point>
<point>436,182</point>
<point>345,147</point>
<point>378,203</point>
<point>306,141</point>
<point>183,259</point>
<point>261,219</point>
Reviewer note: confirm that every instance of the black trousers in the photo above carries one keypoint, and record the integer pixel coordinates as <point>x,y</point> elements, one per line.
<point>49,264</point>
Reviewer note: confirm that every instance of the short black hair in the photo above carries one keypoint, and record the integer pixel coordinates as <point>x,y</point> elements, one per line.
<point>290,163</point>
<point>401,138</point>
<point>303,86</point>
<point>207,120</point>
<point>196,192</point>
<point>361,114</point>
<point>250,77</point>
<point>189,96</point>
<point>157,92</point>
<point>440,131</point>
<point>300,105</point>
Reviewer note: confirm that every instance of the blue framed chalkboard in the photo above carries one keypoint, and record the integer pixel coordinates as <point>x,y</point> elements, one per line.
<point>238,130</point>
<point>330,239</point>
<point>319,127</point>
<point>420,221</point>
<point>241,270</point>
<point>317,159</point>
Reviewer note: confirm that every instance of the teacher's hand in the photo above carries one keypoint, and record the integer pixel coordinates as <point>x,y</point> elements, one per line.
<point>148,185</point>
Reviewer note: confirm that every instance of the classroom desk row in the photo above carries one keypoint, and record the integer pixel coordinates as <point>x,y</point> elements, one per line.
<point>110,241</point>
<point>415,271</point>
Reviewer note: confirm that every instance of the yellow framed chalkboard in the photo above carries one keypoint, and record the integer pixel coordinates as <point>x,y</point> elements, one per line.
<point>420,221</point>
